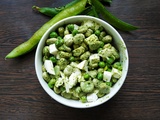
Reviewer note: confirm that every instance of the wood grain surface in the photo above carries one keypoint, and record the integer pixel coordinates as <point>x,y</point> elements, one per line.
<point>22,97</point>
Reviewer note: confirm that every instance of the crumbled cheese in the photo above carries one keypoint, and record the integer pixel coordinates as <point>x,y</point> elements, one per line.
<point>107,76</point>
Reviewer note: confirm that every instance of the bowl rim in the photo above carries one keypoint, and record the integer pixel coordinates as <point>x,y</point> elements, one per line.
<point>76,103</point>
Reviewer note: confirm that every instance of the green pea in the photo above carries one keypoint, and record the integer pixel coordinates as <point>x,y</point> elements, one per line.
<point>82,93</point>
<point>53,35</point>
<point>97,32</point>
<point>51,83</point>
<point>74,32</point>
<point>70,27</point>
<point>72,59</point>
<point>101,64</point>
<point>59,42</point>
<point>83,99</point>
<point>62,88</point>
<point>53,59</point>
<point>86,76</point>
<point>110,60</point>
<point>99,49</point>
<point>109,84</point>
<point>101,44</point>
<point>59,37</point>
<point>100,76</point>
<point>117,65</point>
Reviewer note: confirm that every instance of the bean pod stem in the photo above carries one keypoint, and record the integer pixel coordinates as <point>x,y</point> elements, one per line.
<point>53,11</point>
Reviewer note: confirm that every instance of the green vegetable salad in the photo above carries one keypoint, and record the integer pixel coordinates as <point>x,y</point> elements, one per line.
<point>80,61</point>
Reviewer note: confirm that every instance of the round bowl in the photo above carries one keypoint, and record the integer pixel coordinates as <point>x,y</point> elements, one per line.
<point>119,44</point>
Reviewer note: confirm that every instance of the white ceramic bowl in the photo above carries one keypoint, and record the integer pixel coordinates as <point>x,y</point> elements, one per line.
<point>120,45</point>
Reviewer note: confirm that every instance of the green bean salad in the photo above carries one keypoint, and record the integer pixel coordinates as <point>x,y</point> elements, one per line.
<point>80,61</point>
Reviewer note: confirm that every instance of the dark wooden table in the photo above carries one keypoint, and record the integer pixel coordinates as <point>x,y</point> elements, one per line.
<point>22,97</point>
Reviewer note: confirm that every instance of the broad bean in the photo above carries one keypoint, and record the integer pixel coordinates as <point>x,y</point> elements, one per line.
<point>66,95</point>
<point>78,51</point>
<point>46,76</point>
<point>107,39</point>
<point>87,86</point>
<point>78,38</point>
<point>62,62</point>
<point>85,55</point>
<point>51,41</point>
<point>63,54</point>
<point>61,31</point>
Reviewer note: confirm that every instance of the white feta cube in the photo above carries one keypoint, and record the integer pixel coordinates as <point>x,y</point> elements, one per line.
<point>76,26</point>
<point>72,80</point>
<point>68,37</point>
<point>49,67</point>
<point>83,65</point>
<point>92,97</point>
<point>107,76</point>
<point>52,49</point>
